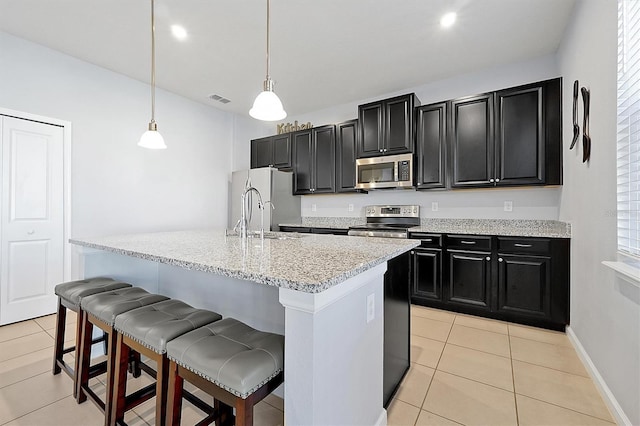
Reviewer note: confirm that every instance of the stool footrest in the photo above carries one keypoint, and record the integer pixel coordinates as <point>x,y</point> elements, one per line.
<point>94,397</point>
<point>97,369</point>
<point>140,396</point>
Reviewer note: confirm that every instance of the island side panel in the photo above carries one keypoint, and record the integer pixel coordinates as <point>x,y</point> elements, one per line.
<point>333,356</point>
<point>138,272</point>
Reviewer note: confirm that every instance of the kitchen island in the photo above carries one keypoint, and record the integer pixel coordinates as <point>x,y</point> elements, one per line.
<point>323,292</point>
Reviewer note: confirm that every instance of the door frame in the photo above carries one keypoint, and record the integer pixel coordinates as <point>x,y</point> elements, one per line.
<point>66,179</point>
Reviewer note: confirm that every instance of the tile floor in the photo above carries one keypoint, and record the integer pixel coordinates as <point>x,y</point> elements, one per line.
<point>464,370</point>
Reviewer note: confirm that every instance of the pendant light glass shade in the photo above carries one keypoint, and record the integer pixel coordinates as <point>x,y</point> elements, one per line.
<point>152,139</point>
<point>267,106</point>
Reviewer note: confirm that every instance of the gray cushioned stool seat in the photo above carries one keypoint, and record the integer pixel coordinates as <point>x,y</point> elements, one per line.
<point>108,305</point>
<point>72,292</point>
<point>230,354</point>
<point>154,325</point>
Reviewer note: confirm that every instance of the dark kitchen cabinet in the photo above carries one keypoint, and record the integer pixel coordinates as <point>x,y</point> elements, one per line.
<point>524,285</point>
<point>426,267</point>
<point>387,127</point>
<point>431,146</point>
<point>272,151</point>
<point>469,259</point>
<point>314,153</point>
<point>346,140</point>
<point>472,146</point>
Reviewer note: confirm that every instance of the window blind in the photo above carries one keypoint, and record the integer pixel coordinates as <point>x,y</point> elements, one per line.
<point>628,141</point>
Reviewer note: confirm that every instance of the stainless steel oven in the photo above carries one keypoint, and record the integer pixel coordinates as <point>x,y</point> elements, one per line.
<point>389,171</point>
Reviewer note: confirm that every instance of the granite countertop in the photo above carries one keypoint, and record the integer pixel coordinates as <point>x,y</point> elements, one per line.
<point>327,222</point>
<point>505,227</point>
<point>304,262</point>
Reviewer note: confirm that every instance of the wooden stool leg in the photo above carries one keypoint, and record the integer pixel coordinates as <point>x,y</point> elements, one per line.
<point>77,353</point>
<point>224,413</point>
<point>84,363</point>
<point>161,390</point>
<point>244,412</point>
<point>61,319</point>
<point>118,396</point>
<point>111,367</point>
<point>174,396</point>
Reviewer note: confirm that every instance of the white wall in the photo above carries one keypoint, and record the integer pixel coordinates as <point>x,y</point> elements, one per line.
<point>538,203</point>
<point>605,311</point>
<point>118,187</point>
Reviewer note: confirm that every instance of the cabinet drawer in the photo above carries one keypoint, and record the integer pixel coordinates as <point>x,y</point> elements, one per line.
<point>428,240</point>
<point>300,229</point>
<point>523,245</point>
<point>469,242</point>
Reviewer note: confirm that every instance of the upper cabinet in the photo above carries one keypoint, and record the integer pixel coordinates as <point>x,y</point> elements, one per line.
<point>386,127</point>
<point>509,137</point>
<point>346,140</point>
<point>272,151</point>
<point>314,160</point>
<point>431,146</point>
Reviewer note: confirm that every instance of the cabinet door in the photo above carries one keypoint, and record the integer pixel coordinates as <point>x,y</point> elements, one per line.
<point>431,145</point>
<point>519,137</point>
<point>469,279</point>
<point>346,136</point>
<point>472,141</point>
<point>281,145</point>
<point>524,285</point>
<point>324,160</point>
<point>398,125</point>
<point>301,142</point>
<point>370,142</point>
<point>427,274</point>
<point>261,153</point>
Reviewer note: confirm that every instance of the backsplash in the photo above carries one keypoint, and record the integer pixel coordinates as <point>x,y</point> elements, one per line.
<point>526,203</point>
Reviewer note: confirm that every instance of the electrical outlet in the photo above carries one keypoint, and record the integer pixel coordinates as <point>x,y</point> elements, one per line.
<point>314,207</point>
<point>371,307</point>
<point>350,207</point>
<point>434,206</point>
<point>508,206</point>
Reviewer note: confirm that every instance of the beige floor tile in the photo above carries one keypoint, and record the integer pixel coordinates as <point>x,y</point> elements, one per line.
<point>267,415</point>
<point>559,388</point>
<point>18,329</point>
<point>431,329</point>
<point>63,412</point>
<point>532,412</point>
<point>31,394</point>
<point>539,334</point>
<point>415,384</point>
<point>25,366</point>
<point>426,351</point>
<point>553,356</point>
<point>482,323</point>
<point>429,419</point>
<point>49,321</point>
<point>400,413</point>
<point>24,345</point>
<point>69,333</point>
<point>482,340</point>
<point>469,402</point>
<point>275,401</point>
<point>434,314</point>
<point>479,366</point>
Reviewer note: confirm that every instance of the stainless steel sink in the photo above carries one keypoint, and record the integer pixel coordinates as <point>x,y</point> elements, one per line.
<point>268,235</point>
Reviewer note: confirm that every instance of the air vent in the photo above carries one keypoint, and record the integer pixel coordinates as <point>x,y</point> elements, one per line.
<point>219,98</point>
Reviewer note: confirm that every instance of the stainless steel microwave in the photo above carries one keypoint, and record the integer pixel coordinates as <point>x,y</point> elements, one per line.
<point>390,171</point>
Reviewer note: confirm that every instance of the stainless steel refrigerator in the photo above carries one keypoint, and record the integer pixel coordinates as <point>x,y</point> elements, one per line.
<point>274,186</point>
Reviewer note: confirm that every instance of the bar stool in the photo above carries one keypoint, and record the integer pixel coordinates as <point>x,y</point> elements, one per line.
<point>70,295</point>
<point>147,331</point>
<point>101,310</point>
<point>236,364</point>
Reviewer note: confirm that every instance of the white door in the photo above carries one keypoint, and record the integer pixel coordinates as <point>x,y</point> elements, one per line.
<point>32,218</point>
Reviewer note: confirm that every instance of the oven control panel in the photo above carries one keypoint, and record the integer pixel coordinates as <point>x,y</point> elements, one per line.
<point>393,211</point>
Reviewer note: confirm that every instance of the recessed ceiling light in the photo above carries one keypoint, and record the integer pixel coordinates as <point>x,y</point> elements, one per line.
<point>179,32</point>
<point>448,19</point>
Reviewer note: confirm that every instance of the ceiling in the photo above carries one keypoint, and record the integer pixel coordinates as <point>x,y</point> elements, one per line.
<point>323,52</point>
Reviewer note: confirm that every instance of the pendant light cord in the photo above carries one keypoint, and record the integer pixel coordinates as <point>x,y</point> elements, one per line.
<point>153,63</point>
<point>268,61</point>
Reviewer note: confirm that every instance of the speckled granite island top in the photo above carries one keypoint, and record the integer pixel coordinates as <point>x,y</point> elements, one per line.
<point>303,262</point>
<point>516,228</point>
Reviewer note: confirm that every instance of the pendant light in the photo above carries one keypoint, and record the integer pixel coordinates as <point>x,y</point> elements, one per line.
<point>267,106</point>
<point>152,139</point>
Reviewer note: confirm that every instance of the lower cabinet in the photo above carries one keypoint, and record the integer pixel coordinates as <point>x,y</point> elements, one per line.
<point>518,279</point>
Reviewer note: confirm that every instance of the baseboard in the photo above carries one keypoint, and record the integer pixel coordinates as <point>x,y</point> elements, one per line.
<point>382,419</point>
<point>608,397</point>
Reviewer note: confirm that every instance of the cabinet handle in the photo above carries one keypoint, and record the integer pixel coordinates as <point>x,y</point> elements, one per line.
<point>413,252</point>
<point>381,150</point>
<point>467,242</point>
<point>500,259</point>
<point>523,245</point>
<point>488,258</point>
<point>491,180</point>
<point>497,180</point>
<point>427,240</point>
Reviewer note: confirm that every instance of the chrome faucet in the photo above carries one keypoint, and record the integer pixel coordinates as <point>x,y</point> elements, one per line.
<point>243,215</point>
